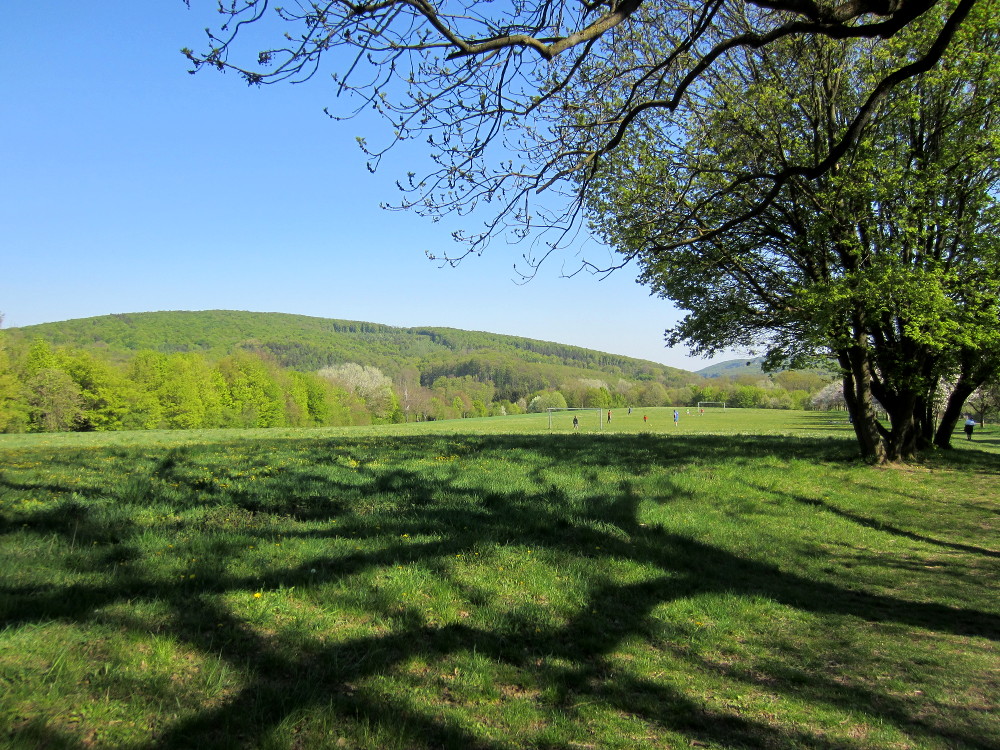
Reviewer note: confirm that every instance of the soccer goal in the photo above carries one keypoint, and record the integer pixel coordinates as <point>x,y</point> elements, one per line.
<point>587,417</point>
<point>703,404</point>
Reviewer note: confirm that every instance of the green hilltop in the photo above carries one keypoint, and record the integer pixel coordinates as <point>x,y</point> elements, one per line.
<point>305,342</point>
<point>224,368</point>
<point>516,365</point>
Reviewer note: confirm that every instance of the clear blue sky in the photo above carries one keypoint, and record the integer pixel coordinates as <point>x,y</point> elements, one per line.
<point>129,185</point>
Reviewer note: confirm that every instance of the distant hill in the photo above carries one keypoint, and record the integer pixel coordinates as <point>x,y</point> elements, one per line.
<point>752,366</point>
<point>306,343</point>
<point>730,367</point>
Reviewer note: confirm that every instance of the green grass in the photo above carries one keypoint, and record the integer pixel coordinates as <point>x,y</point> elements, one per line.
<point>737,581</point>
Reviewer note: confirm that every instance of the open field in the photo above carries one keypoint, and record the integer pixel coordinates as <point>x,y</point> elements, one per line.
<point>737,581</point>
<point>660,421</point>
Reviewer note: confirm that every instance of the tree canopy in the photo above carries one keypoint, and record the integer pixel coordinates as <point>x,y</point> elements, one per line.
<point>488,86</point>
<point>890,262</point>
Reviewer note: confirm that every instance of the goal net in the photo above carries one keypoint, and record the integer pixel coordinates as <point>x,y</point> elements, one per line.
<point>702,405</point>
<point>587,418</point>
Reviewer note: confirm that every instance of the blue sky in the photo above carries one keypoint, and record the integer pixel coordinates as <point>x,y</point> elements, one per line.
<point>129,185</point>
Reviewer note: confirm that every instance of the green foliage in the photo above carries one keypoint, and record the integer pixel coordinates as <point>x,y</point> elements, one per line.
<point>54,401</point>
<point>13,410</point>
<point>248,387</point>
<point>252,396</point>
<point>40,357</point>
<point>890,262</point>
<point>310,344</point>
<point>104,392</point>
<point>546,400</point>
<point>370,385</point>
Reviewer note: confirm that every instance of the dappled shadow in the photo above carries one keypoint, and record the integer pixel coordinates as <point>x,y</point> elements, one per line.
<point>569,661</point>
<point>878,524</point>
<point>967,458</point>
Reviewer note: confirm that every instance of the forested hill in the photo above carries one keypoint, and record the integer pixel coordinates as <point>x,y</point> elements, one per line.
<point>195,370</point>
<point>307,344</point>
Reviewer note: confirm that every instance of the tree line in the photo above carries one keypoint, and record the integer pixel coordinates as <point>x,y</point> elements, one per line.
<point>47,388</point>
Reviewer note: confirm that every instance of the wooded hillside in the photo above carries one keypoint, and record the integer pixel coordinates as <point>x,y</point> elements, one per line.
<point>227,368</point>
<point>306,343</point>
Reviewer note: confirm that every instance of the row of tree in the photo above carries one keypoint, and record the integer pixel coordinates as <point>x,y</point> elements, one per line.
<point>46,389</point>
<point>43,389</point>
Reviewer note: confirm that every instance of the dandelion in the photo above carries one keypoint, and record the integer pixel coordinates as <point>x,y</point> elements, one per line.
<point>257,595</point>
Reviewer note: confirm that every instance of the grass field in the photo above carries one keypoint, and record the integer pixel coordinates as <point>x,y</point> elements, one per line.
<point>739,580</point>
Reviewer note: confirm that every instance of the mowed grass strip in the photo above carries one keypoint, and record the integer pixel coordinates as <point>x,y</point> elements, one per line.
<point>640,586</point>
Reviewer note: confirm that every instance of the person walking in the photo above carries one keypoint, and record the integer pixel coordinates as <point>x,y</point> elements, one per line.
<point>970,425</point>
<point>677,417</point>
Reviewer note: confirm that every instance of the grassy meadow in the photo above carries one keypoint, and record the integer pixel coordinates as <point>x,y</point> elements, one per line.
<point>738,580</point>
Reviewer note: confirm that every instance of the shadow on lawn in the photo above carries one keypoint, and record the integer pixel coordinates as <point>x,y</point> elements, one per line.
<point>569,663</point>
<point>888,528</point>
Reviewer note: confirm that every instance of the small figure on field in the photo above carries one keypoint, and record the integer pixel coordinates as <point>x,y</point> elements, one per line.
<point>970,425</point>
<point>609,416</point>
<point>576,423</point>
<point>630,411</point>
<point>645,418</point>
<point>677,417</point>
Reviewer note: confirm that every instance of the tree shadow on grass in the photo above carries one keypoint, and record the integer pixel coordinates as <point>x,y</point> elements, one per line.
<point>287,676</point>
<point>880,525</point>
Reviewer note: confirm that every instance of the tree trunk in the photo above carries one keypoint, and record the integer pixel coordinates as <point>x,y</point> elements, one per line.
<point>904,436</point>
<point>973,372</point>
<point>926,422</point>
<point>952,413</point>
<point>861,405</point>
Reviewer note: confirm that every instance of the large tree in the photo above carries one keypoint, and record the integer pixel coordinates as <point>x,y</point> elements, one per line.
<point>485,84</point>
<point>889,262</point>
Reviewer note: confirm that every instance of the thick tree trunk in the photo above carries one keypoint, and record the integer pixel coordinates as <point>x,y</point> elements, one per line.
<point>861,405</point>
<point>903,440</point>
<point>926,422</point>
